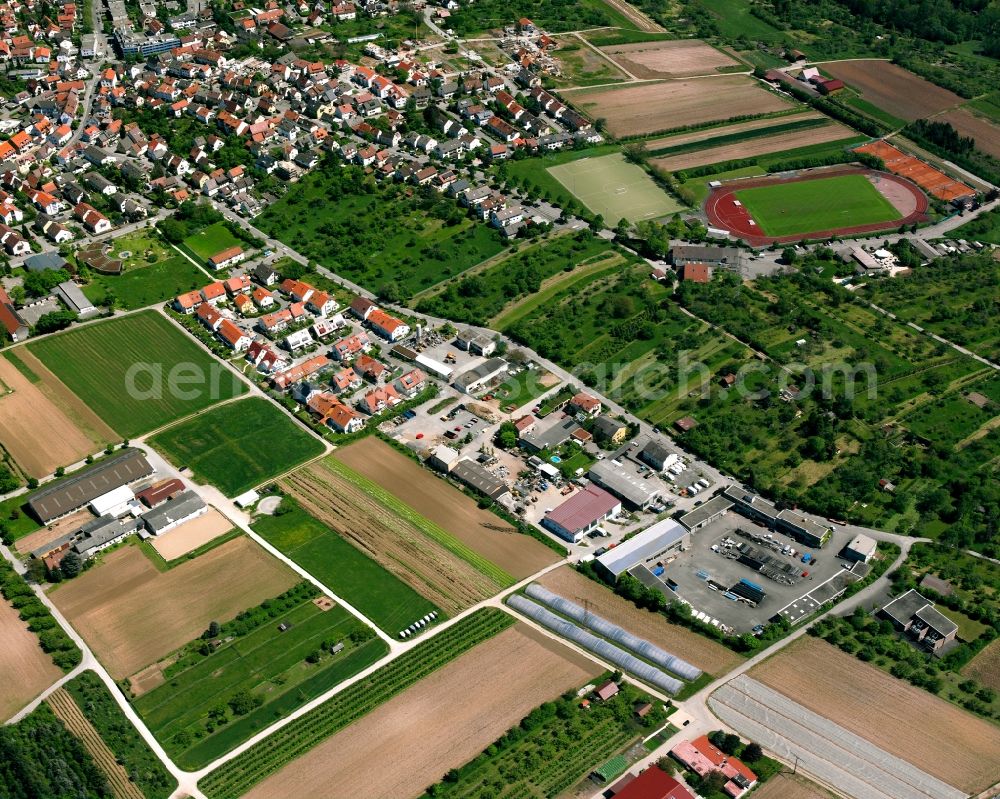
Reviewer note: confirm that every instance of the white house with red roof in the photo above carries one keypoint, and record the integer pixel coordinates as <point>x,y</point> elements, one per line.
<point>388,327</point>
<point>702,757</point>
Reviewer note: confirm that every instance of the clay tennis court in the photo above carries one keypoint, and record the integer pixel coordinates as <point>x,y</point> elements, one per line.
<point>446,506</point>
<point>26,669</point>
<point>704,653</point>
<point>724,210</point>
<point>670,59</point>
<point>893,88</point>
<point>934,735</point>
<point>442,722</point>
<point>931,180</point>
<point>43,425</point>
<point>132,615</point>
<point>191,535</point>
<point>748,149</point>
<point>651,107</point>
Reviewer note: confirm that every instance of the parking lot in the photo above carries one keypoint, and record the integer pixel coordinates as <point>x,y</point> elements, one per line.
<point>695,570</point>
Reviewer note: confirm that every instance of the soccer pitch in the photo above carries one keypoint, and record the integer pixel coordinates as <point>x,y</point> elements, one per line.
<point>809,206</point>
<point>615,189</point>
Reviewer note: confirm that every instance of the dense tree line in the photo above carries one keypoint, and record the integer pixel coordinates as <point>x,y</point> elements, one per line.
<point>51,637</point>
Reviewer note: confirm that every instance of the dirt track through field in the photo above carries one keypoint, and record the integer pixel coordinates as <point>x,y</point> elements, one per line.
<point>69,713</point>
<point>702,652</point>
<point>928,732</point>
<point>398,546</point>
<point>893,89</point>
<point>651,107</point>
<point>447,507</point>
<point>42,425</point>
<point>442,722</point>
<point>133,615</point>
<point>191,535</point>
<point>765,145</point>
<point>641,21</point>
<point>670,59</point>
<point>25,670</point>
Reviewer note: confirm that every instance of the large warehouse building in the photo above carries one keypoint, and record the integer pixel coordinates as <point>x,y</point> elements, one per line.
<point>79,490</point>
<point>646,549</point>
<point>633,490</point>
<point>581,513</point>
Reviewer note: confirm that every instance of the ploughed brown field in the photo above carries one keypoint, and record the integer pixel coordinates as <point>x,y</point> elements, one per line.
<point>396,544</point>
<point>25,670</point>
<point>932,734</point>
<point>791,786</point>
<point>671,59</point>
<point>652,107</point>
<point>43,425</point>
<point>434,499</point>
<point>893,89</point>
<point>747,149</point>
<point>985,666</point>
<point>445,720</point>
<point>986,133</point>
<point>707,655</point>
<point>132,615</point>
<point>69,713</point>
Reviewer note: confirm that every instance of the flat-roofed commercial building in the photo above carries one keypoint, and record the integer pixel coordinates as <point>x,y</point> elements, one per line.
<point>663,539</point>
<point>633,490</point>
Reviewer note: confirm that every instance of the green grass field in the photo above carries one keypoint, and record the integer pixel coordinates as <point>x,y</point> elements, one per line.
<point>239,445</point>
<point>236,777</point>
<point>184,712</point>
<point>809,206</point>
<point>348,572</point>
<point>615,189</point>
<point>122,369</point>
<point>146,285</point>
<point>213,239</point>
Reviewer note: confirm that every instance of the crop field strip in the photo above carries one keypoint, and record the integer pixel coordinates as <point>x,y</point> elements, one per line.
<point>236,777</point>
<point>432,561</point>
<point>94,361</point>
<point>708,142</point>
<point>69,713</point>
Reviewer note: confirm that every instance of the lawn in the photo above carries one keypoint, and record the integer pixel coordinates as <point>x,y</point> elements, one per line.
<point>210,241</point>
<point>145,285</point>
<point>523,387</point>
<point>735,21</point>
<point>235,778</point>
<point>814,205</point>
<point>343,568</point>
<point>615,189</point>
<point>406,244</point>
<point>137,372</point>
<point>238,445</point>
<point>191,712</point>
<point>535,172</point>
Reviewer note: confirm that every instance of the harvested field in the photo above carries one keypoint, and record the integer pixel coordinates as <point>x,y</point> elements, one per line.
<point>69,713</point>
<point>936,736</point>
<point>132,615</point>
<point>433,498</point>
<point>60,527</point>
<point>26,669</point>
<point>986,133</point>
<point>791,786</point>
<point>440,723</point>
<point>725,130</point>
<point>651,107</point>
<point>894,89</point>
<point>42,424</point>
<point>985,666</point>
<point>764,145</point>
<point>191,535</point>
<point>702,652</point>
<point>396,544</point>
<point>671,59</point>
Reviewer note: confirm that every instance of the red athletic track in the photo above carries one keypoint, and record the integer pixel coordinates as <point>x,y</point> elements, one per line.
<point>722,212</point>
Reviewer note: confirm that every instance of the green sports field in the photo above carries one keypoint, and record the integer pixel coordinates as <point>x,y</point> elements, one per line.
<point>808,206</point>
<point>615,189</point>
<point>239,445</point>
<point>211,241</point>
<point>137,372</point>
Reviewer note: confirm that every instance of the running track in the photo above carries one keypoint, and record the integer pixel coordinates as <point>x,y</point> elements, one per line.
<point>723,212</point>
